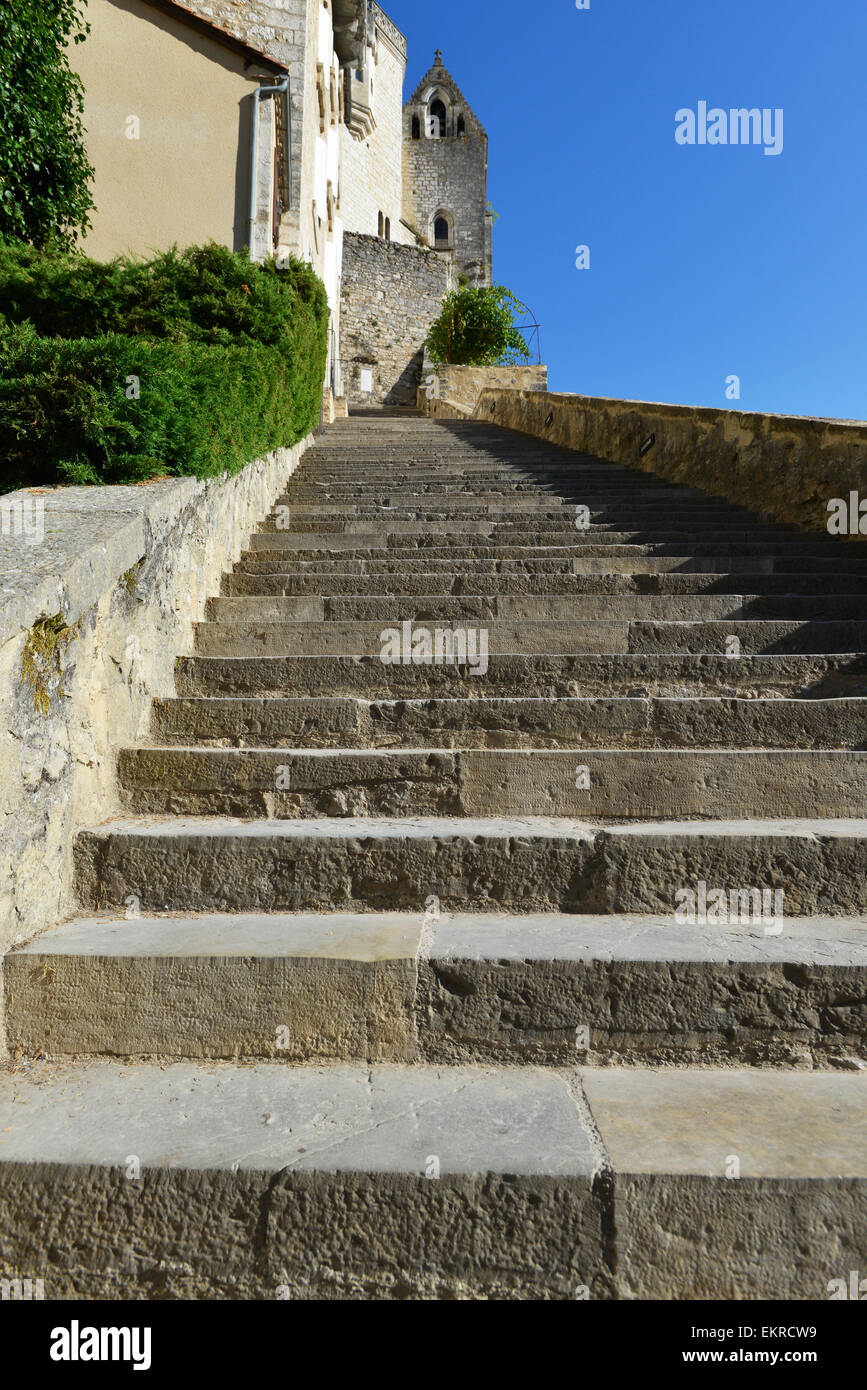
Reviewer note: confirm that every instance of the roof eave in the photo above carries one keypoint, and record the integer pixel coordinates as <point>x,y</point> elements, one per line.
<point>252,56</point>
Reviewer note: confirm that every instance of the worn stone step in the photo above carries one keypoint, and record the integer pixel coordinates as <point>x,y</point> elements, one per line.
<point>531,864</point>
<point>343,567</point>
<point>679,606</point>
<point>593,783</point>
<point>546,990</point>
<point>473,535</point>
<point>351,586</point>
<point>490,506</point>
<point>468,1183</point>
<point>527,509</point>
<point>580,545</point>
<point>208,1181</point>
<point>521,722</point>
<point>525,636</point>
<point>798,676</point>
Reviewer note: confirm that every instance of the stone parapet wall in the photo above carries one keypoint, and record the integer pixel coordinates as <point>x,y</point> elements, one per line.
<point>390,297</point>
<point>787,467</point>
<point>121,574</point>
<point>464,385</point>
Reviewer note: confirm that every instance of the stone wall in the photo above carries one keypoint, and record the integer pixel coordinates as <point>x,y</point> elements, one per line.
<point>391,295</point>
<point>123,572</point>
<point>787,467</point>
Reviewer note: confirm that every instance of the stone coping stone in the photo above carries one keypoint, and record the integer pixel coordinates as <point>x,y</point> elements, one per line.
<point>93,535</point>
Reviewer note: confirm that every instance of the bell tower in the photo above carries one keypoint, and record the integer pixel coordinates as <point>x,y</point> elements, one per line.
<point>445,175</point>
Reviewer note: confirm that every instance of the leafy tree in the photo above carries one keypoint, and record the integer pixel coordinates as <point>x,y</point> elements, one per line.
<point>476,328</point>
<point>44,171</point>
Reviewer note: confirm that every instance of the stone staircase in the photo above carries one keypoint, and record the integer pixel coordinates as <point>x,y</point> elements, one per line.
<point>384,988</point>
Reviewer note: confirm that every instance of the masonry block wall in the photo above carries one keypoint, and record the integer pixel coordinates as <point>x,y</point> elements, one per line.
<point>390,296</point>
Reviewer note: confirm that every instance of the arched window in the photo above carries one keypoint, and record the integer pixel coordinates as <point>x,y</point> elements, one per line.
<point>381,230</point>
<point>388,229</point>
<point>462,126</point>
<point>438,118</point>
<point>416,128</point>
<point>443,240</point>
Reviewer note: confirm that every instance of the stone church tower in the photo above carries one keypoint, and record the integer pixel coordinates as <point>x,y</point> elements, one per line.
<point>445,175</point>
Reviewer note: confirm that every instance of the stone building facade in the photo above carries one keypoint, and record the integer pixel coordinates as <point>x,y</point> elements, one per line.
<point>371,193</point>
<point>341,160</point>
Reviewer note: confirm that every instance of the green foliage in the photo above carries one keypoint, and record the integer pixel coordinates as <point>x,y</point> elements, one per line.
<point>206,294</point>
<point>44,171</point>
<point>476,328</point>
<point>193,363</point>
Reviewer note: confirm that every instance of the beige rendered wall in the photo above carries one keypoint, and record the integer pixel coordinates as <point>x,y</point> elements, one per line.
<point>185,179</point>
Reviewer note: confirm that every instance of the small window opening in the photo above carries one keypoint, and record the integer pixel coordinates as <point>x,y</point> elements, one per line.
<point>442,234</point>
<point>438,118</point>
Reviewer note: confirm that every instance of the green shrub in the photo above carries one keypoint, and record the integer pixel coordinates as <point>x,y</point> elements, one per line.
<point>118,409</point>
<point>205,294</point>
<point>193,363</point>
<point>476,328</point>
<point>44,170</point>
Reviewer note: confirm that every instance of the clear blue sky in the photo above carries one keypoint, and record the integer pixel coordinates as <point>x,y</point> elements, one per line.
<point>705,261</point>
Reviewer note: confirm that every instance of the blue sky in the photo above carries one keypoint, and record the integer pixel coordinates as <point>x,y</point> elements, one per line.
<point>705,261</point>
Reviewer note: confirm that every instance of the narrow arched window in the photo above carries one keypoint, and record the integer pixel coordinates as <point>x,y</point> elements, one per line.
<point>438,118</point>
<point>388,229</point>
<point>416,128</point>
<point>462,126</point>
<point>442,234</point>
<point>381,225</point>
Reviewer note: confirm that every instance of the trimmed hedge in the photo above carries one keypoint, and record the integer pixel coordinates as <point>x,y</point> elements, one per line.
<point>192,363</point>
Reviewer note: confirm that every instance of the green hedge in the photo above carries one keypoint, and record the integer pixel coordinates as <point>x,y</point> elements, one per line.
<point>192,363</point>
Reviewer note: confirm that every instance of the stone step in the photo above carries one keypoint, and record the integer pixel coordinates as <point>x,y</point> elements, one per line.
<point>546,990</point>
<point>473,535</point>
<point>679,606</point>
<point>614,547</point>
<point>530,636</point>
<point>202,1181</point>
<point>526,865</point>
<point>798,676</point>
<point>637,784</point>
<point>532,508</point>
<point>343,567</point>
<point>493,506</point>
<point>350,586</point>
<point>521,722</point>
